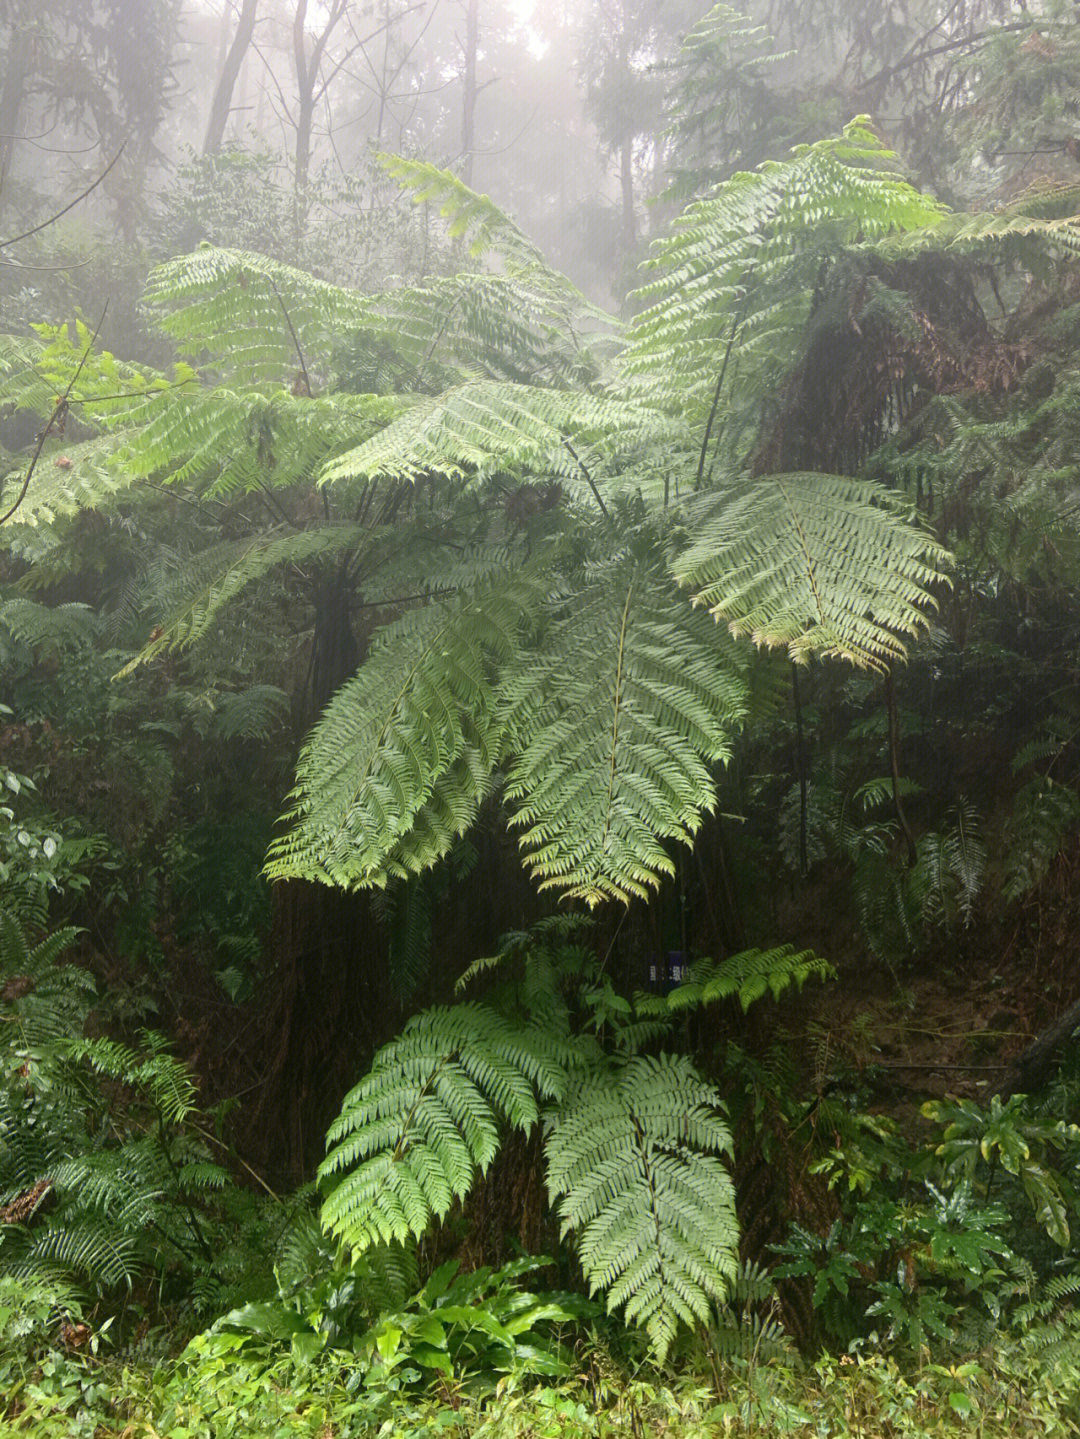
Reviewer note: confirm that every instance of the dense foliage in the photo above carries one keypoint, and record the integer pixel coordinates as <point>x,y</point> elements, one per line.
<point>540,814</point>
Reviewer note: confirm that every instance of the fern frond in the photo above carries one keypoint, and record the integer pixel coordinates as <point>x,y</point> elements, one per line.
<point>633,1161</point>
<point>48,626</point>
<point>1043,814</point>
<point>252,713</point>
<point>820,564</point>
<point>397,765</point>
<point>94,1252</point>
<point>215,576</point>
<point>227,308</point>
<point>748,257</point>
<point>750,975</point>
<point>483,427</point>
<point>473,218</point>
<point>615,725</point>
<point>413,1134</point>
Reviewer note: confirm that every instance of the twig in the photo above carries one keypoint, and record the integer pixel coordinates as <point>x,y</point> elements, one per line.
<point>77,201</point>
<point>588,478</point>
<point>295,337</point>
<point>894,762</point>
<point>60,409</point>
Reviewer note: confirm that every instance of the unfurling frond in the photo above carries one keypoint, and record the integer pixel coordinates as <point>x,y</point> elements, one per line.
<point>414,1133</point>
<point>633,1160</point>
<point>820,564</point>
<point>615,726</point>
<point>398,763</point>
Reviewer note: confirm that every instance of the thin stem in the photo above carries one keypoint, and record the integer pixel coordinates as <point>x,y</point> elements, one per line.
<point>894,763</point>
<point>60,213</point>
<point>295,336</point>
<point>59,410</point>
<point>800,766</point>
<point>588,479</point>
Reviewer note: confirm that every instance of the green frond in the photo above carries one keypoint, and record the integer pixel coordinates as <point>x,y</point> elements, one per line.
<point>23,383</point>
<point>399,761</point>
<point>473,218</point>
<point>633,1161</point>
<point>201,587</point>
<point>94,1252</point>
<point>51,627</point>
<point>87,480</point>
<point>483,427</point>
<point>252,713</point>
<point>749,976</point>
<point>226,440</point>
<point>1044,813</point>
<point>226,309</point>
<point>413,1134</point>
<point>504,326</point>
<point>615,724</point>
<point>821,564</point>
<point>1018,234</point>
<point>748,257</point>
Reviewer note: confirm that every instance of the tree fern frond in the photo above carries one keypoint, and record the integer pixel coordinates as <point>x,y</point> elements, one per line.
<point>252,713</point>
<point>482,427</point>
<point>614,725</point>
<point>746,258</point>
<point>632,1160</point>
<point>228,308</point>
<point>86,480</point>
<point>821,564</point>
<point>413,1134</point>
<point>48,626</point>
<point>215,576</point>
<point>749,976</point>
<point>470,217</point>
<point>397,764</point>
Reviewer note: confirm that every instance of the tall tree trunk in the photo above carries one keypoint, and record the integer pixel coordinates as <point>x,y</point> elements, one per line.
<point>11,100</point>
<point>306,70</point>
<point>221,104</point>
<point>626,182</point>
<point>468,111</point>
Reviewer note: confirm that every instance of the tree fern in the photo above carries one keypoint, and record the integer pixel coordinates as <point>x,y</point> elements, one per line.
<point>744,260</point>
<point>615,725</point>
<point>634,1163</point>
<point>426,1119</point>
<point>819,564</point>
<point>235,311</point>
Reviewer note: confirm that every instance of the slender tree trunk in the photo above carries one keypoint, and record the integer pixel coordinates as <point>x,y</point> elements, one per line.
<point>626,184</point>
<point>11,100</point>
<point>221,104</point>
<point>305,115</point>
<point>468,112</point>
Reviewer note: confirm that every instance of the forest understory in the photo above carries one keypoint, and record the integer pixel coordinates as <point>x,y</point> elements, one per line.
<point>539,718</point>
